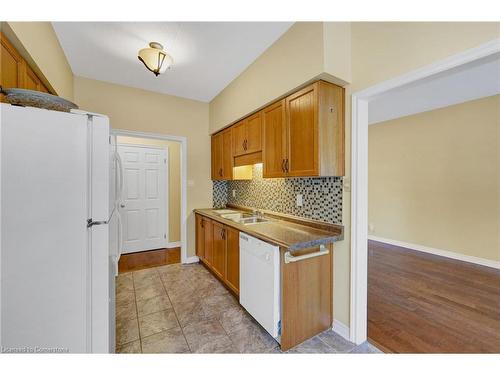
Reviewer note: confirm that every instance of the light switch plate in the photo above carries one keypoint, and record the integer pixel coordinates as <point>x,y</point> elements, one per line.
<point>234,193</point>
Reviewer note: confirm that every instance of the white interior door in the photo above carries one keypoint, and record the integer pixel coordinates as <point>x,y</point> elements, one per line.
<point>143,206</point>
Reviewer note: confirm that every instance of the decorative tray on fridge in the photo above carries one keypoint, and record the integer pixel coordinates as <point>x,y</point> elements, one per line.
<point>31,98</point>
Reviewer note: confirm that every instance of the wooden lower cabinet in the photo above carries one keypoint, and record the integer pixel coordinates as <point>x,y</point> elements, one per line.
<point>232,278</point>
<point>217,246</point>
<point>306,298</point>
<point>219,250</point>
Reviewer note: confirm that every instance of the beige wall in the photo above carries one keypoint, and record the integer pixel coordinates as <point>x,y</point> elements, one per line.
<point>38,44</point>
<point>140,110</point>
<point>434,178</point>
<point>174,180</point>
<point>383,50</point>
<point>292,60</point>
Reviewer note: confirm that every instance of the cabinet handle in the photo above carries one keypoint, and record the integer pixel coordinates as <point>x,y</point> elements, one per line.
<point>283,166</point>
<point>223,234</point>
<point>220,172</point>
<point>286,166</point>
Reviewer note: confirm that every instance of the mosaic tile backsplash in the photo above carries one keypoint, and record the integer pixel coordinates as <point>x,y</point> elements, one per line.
<point>321,196</point>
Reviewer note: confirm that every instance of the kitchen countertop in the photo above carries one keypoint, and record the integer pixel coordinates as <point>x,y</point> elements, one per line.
<point>281,232</point>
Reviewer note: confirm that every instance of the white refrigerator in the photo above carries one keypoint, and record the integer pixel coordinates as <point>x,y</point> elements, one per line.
<point>57,276</point>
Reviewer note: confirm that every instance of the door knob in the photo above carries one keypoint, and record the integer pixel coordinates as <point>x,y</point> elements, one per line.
<point>122,205</point>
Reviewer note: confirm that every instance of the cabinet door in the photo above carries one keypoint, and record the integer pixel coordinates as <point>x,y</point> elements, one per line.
<point>253,133</point>
<point>200,237</point>
<point>217,156</point>
<point>11,71</point>
<point>275,147</point>
<point>302,129</point>
<point>219,249</point>
<point>208,237</point>
<point>233,259</point>
<point>31,81</point>
<point>227,156</point>
<point>238,134</point>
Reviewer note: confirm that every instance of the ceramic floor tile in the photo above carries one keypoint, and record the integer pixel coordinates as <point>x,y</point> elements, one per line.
<point>126,311</point>
<point>124,296</point>
<point>149,291</point>
<point>252,339</point>
<point>206,336</point>
<point>214,306</point>
<point>157,322</point>
<point>235,318</point>
<point>189,312</point>
<point>131,347</point>
<point>336,341</point>
<point>126,331</point>
<point>171,341</point>
<point>152,305</point>
<point>124,282</point>
<point>312,346</point>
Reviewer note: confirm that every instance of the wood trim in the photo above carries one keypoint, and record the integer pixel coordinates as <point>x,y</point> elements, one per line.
<point>148,259</point>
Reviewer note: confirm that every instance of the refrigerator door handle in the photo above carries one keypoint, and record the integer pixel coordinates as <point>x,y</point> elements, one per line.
<point>120,169</point>
<point>91,223</point>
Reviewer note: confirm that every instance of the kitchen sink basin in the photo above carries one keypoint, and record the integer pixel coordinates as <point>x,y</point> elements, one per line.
<point>252,220</point>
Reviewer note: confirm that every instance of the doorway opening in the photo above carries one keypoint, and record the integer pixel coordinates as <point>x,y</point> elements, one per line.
<point>152,199</point>
<point>363,105</point>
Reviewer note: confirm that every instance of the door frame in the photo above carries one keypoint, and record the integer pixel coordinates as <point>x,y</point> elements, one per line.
<point>167,185</point>
<point>183,141</point>
<point>359,174</point>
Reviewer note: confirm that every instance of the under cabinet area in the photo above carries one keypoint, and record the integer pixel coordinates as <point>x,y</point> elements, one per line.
<point>301,135</point>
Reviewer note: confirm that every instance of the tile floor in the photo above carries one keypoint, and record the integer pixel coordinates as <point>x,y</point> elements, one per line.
<point>184,309</point>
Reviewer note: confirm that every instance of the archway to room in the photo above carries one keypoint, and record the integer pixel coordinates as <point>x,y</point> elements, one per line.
<point>403,298</point>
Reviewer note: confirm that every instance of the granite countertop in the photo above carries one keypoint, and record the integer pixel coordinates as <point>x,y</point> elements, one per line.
<point>284,233</point>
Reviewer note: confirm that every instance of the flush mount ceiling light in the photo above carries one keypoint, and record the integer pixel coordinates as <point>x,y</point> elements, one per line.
<point>155,59</point>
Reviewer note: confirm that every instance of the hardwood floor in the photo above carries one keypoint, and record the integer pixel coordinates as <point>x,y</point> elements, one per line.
<point>148,259</point>
<point>422,303</point>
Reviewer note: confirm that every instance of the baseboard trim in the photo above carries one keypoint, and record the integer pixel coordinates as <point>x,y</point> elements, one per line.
<point>171,245</point>
<point>194,259</point>
<point>341,329</point>
<point>440,252</point>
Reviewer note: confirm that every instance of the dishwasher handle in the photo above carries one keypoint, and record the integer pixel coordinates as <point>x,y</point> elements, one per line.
<point>289,258</point>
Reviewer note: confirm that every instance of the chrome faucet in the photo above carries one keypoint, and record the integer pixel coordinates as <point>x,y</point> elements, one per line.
<point>258,213</point>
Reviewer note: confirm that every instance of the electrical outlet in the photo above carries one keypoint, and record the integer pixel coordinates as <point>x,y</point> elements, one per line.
<point>299,200</point>
<point>234,193</point>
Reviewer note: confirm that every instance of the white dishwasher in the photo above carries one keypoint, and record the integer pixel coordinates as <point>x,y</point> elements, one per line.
<point>260,282</point>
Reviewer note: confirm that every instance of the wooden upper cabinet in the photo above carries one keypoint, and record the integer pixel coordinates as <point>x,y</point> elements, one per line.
<point>232,278</point>
<point>274,151</point>
<point>15,72</point>
<point>11,68</point>
<point>254,133</point>
<point>238,134</point>
<point>219,249</point>
<point>222,156</point>
<point>302,132</point>
<point>31,81</point>
<point>247,135</point>
<point>299,136</point>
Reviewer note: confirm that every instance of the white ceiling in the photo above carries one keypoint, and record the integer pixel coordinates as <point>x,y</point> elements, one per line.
<point>468,82</point>
<point>207,55</point>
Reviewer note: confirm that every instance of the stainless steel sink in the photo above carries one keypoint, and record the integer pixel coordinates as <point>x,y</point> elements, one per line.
<point>252,220</point>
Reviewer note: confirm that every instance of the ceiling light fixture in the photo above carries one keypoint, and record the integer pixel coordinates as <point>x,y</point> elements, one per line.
<point>155,59</point>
